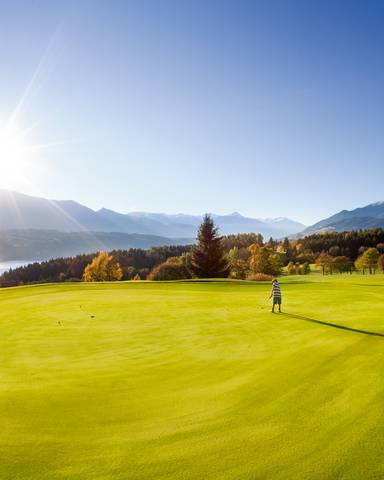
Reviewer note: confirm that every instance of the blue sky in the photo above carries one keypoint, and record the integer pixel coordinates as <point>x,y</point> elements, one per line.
<point>271,108</point>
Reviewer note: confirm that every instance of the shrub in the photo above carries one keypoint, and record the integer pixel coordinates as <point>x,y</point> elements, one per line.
<point>260,277</point>
<point>174,268</point>
<point>305,269</point>
<point>291,269</point>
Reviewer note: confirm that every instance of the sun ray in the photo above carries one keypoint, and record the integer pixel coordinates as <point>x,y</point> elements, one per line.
<point>20,155</point>
<point>32,84</point>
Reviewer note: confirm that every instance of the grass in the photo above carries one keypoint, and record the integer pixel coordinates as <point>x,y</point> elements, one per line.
<point>192,381</point>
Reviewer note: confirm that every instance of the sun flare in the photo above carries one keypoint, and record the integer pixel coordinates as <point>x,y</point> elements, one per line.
<point>17,158</point>
<point>12,156</point>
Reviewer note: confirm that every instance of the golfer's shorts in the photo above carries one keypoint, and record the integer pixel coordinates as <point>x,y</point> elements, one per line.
<point>276,300</point>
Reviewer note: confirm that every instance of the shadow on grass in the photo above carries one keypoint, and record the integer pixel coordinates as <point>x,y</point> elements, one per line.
<point>333,325</point>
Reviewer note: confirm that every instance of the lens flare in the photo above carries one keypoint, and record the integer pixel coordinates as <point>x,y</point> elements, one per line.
<point>14,157</point>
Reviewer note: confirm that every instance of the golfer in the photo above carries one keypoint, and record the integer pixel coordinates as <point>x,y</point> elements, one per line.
<point>276,295</point>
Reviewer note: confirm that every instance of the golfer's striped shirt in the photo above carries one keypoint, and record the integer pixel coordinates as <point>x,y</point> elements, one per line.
<point>276,290</point>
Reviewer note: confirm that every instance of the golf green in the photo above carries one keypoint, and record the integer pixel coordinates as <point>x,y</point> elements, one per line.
<point>193,380</point>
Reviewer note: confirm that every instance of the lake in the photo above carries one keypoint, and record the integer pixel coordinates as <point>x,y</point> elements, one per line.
<point>4,266</point>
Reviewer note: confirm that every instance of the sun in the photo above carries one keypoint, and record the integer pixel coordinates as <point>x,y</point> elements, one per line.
<point>16,157</point>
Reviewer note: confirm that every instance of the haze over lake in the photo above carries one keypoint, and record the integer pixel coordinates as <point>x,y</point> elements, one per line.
<point>5,266</point>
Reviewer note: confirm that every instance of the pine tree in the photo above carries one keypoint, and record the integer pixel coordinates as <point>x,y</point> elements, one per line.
<point>305,268</point>
<point>208,259</point>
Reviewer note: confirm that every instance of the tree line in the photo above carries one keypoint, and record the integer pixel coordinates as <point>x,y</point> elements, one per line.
<point>241,256</point>
<point>133,262</point>
<point>350,244</point>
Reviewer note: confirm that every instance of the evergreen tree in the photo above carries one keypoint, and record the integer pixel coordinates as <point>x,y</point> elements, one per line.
<point>286,247</point>
<point>208,259</point>
<point>271,243</point>
<point>305,269</point>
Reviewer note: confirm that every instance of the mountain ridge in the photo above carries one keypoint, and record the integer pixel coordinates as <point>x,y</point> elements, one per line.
<point>40,245</point>
<point>369,216</point>
<point>21,211</point>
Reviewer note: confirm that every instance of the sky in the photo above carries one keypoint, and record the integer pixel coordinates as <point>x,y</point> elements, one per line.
<point>270,108</point>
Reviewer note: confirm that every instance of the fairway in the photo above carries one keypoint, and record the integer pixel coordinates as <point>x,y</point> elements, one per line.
<point>193,380</point>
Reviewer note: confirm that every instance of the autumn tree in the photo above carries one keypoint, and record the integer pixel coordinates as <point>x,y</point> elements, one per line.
<point>208,259</point>
<point>276,261</point>
<point>370,256</point>
<point>264,260</point>
<point>258,262</point>
<point>103,268</point>
<point>238,266</point>
<point>368,260</point>
<point>380,262</point>
<point>360,263</point>
<point>342,264</point>
<point>324,260</point>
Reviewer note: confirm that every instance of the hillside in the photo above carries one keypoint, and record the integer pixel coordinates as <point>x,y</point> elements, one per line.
<point>370,216</point>
<point>45,244</point>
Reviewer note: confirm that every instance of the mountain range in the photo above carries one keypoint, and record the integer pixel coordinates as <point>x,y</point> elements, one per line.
<point>19,211</point>
<point>370,216</point>
<point>34,228</point>
<point>36,245</point>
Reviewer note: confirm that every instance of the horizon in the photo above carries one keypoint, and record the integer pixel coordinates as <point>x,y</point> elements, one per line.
<point>201,214</point>
<point>272,110</point>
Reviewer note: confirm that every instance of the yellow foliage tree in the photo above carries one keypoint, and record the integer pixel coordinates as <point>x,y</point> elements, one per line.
<point>264,260</point>
<point>103,268</point>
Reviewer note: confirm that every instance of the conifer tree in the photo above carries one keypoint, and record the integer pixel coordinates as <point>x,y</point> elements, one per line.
<point>208,258</point>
